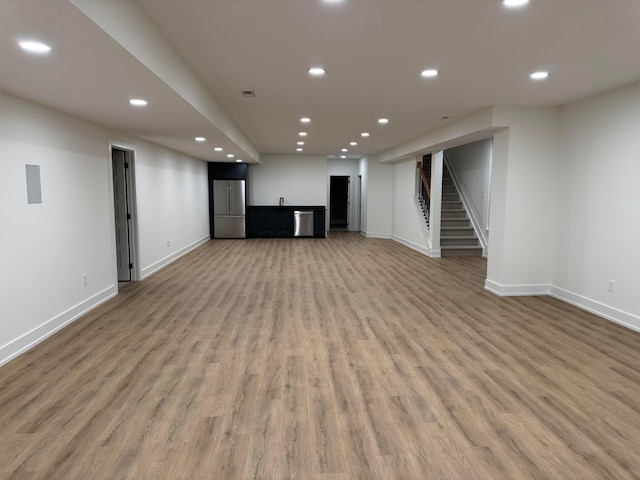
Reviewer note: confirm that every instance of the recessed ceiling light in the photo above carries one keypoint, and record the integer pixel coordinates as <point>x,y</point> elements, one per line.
<point>230,155</point>
<point>34,47</point>
<point>332,1</point>
<point>514,3</point>
<point>383,121</point>
<point>138,102</point>
<point>218,149</point>
<point>343,156</point>
<point>539,75</point>
<point>300,143</point>
<point>345,149</point>
<point>305,119</point>
<point>429,73</point>
<point>317,71</point>
<point>239,160</point>
<point>303,134</point>
<point>200,139</point>
<point>299,149</point>
<point>353,144</point>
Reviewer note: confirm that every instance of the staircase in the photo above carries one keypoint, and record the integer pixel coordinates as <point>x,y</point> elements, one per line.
<point>457,237</point>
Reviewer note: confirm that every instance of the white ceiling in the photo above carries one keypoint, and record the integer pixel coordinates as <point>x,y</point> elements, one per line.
<point>374,51</point>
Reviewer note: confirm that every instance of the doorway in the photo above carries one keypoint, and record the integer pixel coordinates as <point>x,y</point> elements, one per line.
<point>123,201</point>
<point>339,202</point>
<point>359,204</point>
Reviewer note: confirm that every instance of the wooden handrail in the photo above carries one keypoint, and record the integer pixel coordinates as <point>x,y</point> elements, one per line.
<point>425,181</point>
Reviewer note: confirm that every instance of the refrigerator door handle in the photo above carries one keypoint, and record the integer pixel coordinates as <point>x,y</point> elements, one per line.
<point>229,199</point>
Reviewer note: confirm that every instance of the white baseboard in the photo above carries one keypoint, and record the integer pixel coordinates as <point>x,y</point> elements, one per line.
<point>384,236</point>
<point>414,246</point>
<point>625,319</point>
<point>516,290</point>
<point>30,339</point>
<point>615,315</point>
<point>151,269</point>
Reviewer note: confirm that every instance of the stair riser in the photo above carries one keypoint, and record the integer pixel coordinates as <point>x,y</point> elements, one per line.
<point>455,205</point>
<point>457,238</point>
<point>454,222</point>
<point>449,232</point>
<point>470,252</point>
<point>454,214</point>
<point>459,242</point>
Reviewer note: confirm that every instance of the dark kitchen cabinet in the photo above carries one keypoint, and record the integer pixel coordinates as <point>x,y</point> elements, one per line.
<point>278,222</point>
<point>269,222</point>
<point>257,224</point>
<point>319,223</point>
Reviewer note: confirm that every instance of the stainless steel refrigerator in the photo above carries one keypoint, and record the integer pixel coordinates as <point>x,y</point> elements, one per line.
<point>229,209</point>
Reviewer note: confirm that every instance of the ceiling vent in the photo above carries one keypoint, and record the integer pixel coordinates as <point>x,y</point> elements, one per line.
<point>248,93</point>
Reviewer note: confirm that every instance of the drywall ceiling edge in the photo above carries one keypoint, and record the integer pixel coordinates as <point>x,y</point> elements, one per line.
<point>127,24</point>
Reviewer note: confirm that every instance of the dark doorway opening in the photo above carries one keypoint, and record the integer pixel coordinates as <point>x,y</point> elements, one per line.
<point>339,202</point>
<point>121,160</point>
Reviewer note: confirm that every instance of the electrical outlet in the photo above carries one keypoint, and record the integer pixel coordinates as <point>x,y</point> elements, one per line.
<point>168,243</point>
<point>84,279</point>
<point>611,284</point>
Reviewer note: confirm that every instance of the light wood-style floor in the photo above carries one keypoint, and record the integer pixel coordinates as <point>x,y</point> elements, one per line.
<point>345,358</point>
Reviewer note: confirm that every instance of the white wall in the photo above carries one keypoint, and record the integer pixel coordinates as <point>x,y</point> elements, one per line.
<point>173,204</point>
<point>471,165</point>
<point>378,200</point>
<point>406,225</point>
<point>300,179</point>
<point>45,249</point>
<point>435,208</point>
<point>563,208</point>
<point>346,168</point>
<point>599,221</point>
<point>524,201</point>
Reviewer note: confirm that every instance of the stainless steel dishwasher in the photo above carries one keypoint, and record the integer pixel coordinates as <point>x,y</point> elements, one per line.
<point>303,223</point>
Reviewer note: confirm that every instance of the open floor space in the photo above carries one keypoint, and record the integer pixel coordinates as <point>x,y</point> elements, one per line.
<point>340,358</point>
